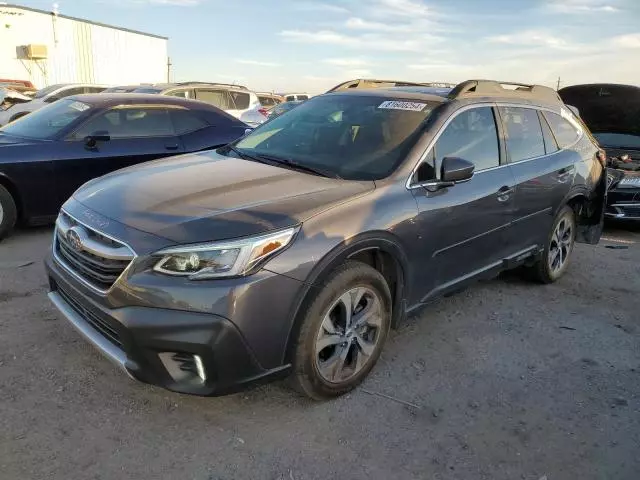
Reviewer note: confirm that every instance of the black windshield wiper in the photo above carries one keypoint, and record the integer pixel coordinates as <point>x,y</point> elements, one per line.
<point>299,166</point>
<point>246,156</point>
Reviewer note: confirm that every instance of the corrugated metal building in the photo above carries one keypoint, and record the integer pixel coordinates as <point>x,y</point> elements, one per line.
<point>49,48</point>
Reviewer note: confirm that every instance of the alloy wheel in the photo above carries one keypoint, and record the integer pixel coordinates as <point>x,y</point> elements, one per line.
<point>561,245</point>
<point>349,333</point>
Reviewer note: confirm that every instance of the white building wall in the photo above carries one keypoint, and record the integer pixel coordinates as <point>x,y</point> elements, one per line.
<point>78,51</point>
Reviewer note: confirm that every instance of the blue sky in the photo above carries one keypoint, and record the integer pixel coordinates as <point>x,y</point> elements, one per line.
<point>311,45</point>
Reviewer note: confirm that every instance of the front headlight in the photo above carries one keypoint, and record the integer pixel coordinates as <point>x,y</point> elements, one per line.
<point>222,259</point>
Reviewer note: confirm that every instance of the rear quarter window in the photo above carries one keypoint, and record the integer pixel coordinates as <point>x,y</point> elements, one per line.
<point>187,121</point>
<point>241,100</point>
<point>565,132</point>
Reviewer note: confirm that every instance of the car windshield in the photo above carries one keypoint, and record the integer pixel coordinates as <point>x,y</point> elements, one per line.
<point>47,122</point>
<point>351,136</point>
<point>47,90</point>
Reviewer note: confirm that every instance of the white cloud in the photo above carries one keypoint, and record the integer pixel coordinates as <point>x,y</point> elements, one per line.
<point>258,63</point>
<point>347,62</point>
<point>176,3</point>
<point>531,38</point>
<point>355,23</point>
<point>403,8</point>
<point>581,6</point>
<point>357,73</point>
<point>364,42</point>
<point>631,40</point>
<point>320,7</point>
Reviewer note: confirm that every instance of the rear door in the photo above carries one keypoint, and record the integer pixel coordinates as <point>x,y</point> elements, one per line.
<point>542,170</point>
<point>136,134</point>
<point>464,226</point>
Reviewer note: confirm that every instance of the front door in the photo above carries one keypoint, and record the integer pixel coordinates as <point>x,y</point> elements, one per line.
<point>464,227</point>
<point>136,135</point>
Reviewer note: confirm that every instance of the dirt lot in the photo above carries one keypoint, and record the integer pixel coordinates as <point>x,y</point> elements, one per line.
<point>507,380</point>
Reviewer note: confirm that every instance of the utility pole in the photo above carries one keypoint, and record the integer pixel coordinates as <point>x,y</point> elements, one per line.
<point>558,85</point>
<point>169,64</point>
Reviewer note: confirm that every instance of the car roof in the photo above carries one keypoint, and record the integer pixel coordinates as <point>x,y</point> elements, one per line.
<point>440,91</point>
<point>112,99</point>
<point>389,93</point>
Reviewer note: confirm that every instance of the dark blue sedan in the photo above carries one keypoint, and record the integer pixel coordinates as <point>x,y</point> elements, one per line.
<point>47,155</point>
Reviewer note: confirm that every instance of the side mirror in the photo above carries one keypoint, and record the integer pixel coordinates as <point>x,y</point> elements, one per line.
<point>91,141</point>
<point>455,170</point>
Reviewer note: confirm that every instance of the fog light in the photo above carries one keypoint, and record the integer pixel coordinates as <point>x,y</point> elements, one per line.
<point>184,367</point>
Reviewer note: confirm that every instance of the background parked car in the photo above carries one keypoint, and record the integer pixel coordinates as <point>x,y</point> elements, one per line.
<point>612,113</point>
<point>295,97</point>
<point>45,96</point>
<point>269,100</point>
<point>236,100</point>
<point>46,156</point>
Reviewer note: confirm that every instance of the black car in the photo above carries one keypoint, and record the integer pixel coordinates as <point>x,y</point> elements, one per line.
<point>292,251</point>
<point>45,156</point>
<point>612,113</point>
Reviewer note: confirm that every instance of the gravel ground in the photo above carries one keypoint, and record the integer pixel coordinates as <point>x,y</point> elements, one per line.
<point>506,380</point>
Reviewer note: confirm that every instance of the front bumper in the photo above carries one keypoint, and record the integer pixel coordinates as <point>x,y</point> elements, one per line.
<point>141,340</point>
<point>623,204</point>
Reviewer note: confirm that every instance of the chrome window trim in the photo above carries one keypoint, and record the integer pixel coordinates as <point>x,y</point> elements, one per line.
<point>410,186</point>
<point>77,276</point>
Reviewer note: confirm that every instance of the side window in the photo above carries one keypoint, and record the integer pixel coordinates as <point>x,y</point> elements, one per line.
<point>566,134</point>
<point>267,101</point>
<point>93,89</point>
<point>523,132</point>
<point>290,98</point>
<point>186,121</point>
<point>217,98</point>
<point>303,97</point>
<point>241,100</point>
<point>65,93</point>
<point>550,144</point>
<point>473,136</point>
<point>129,123</point>
<point>178,93</point>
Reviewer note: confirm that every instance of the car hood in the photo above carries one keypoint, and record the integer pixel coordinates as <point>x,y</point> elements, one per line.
<point>206,197</point>
<point>7,140</point>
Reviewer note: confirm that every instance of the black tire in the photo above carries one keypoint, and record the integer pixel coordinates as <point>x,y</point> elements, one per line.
<point>8,213</point>
<point>307,377</point>
<point>542,270</point>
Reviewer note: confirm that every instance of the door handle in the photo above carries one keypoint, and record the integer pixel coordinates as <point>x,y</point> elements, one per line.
<point>171,147</point>
<point>564,173</point>
<point>504,193</point>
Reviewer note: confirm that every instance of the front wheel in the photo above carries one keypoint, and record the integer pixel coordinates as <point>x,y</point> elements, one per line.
<point>555,258</point>
<point>343,332</point>
<point>8,212</point>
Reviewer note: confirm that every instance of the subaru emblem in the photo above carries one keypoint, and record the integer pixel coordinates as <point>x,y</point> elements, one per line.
<point>74,238</point>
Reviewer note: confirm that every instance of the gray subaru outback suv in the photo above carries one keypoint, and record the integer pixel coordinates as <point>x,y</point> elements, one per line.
<point>294,250</point>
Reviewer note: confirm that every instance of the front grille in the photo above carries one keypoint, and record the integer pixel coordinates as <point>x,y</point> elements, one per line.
<point>98,260</point>
<point>98,324</point>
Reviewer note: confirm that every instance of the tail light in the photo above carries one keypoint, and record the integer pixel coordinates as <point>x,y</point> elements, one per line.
<point>602,157</point>
<point>264,111</point>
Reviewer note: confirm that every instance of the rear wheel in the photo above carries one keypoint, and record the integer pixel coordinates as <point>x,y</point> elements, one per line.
<point>555,258</point>
<point>8,212</point>
<point>343,332</point>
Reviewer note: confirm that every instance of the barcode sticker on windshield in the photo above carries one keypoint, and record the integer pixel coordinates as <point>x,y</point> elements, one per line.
<point>81,107</point>
<point>396,105</point>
